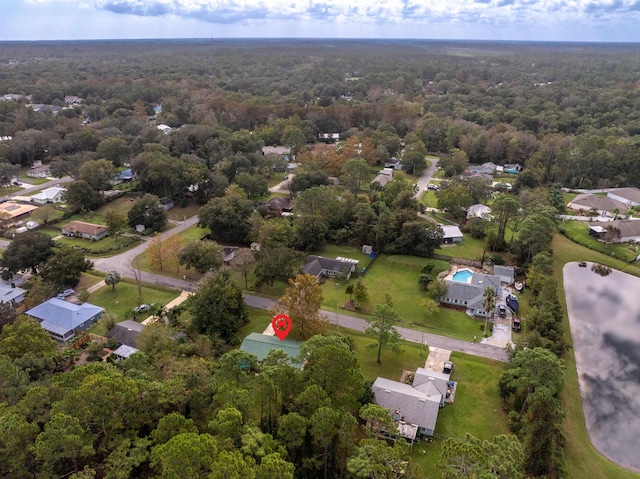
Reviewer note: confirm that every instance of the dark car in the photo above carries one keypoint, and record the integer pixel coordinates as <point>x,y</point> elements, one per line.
<point>448,367</point>
<point>516,326</point>
<point>582,264</point>
<point>502,311</point>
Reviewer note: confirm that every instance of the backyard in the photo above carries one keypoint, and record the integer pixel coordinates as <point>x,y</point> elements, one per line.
<point>121,301</point>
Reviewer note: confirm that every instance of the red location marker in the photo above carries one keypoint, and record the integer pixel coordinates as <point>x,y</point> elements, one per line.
<point>281,325</point>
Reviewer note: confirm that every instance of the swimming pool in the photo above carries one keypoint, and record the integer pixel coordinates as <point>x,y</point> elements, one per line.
<point>463,275</point>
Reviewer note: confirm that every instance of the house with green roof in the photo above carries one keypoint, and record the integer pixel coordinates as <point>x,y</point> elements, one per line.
<point>260,345</point>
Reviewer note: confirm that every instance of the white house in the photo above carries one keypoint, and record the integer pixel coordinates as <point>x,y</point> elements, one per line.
<point>50,195</point>
<point>11,294</point>
<point>166,129</point>
<point>479,211</point>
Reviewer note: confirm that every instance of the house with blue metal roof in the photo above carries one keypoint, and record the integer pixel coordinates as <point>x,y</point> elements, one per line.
<point>62,319</point>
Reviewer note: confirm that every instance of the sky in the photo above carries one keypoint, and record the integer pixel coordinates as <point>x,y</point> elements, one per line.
<point>524,20</point>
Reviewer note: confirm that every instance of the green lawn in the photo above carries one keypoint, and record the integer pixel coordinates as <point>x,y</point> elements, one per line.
<point>34,181</point>
<point>468,248</point>
<point>125,297</point>
<point>122,205</point>
<point>429,199</point>
<point>578,231</point>
<point>180,214</point>
<point>108,244</point>
<point>477,408</point>
<point>581,457</point>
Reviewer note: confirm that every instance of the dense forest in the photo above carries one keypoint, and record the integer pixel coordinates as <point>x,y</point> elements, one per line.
<point>195,407</point>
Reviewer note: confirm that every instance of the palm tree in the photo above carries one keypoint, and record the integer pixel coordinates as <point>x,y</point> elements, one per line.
<point>489,303</point>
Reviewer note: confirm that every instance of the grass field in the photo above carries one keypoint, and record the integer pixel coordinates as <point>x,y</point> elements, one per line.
<point>578,231</point>
<point>108,243</point>
<point>124,298</point>
<point>468,248</point>
<point>581,457</point>
<point>179,214</point>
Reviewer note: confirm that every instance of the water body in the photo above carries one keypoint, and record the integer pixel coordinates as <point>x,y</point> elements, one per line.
<point>604,314</point>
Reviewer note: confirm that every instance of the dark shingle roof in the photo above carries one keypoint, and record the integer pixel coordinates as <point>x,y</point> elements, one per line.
<point>126,332</point>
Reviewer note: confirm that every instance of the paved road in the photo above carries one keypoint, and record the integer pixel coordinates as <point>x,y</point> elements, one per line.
<point>31,189</point>
<point>351,322</point>
<point>423,181</point>
<point>122,263</point>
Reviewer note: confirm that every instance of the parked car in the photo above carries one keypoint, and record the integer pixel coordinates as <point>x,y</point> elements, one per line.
<point>516,324</point>
<point>17,183</point>
<point>582,264</point>
<point>65,294</point>
<point>141,308</point>
<point>432,186</point>
<point>502,311</point>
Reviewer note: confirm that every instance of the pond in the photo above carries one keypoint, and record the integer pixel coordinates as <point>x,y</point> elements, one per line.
<point>604,314</point>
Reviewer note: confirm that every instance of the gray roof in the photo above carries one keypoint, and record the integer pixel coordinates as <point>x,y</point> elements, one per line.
<point>602,203</point>
<point>504,271</point>
<point>426,376</point>
<point>8,294</point>
<point>451,231</point>
<point>314,265</point>
<point>126,332</point>
<point>125,351</point>
<point>631,194</point>
<point>58,316</point>
<point>415,406</point>
<point>473,292</point>
<point>260,345</point>
<point>382,180</point>
<point>628,228</point>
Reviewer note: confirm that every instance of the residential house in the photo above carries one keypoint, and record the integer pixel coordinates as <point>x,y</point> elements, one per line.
<point>39,107</point>
<point>380,181</point>
<point>487,168</point>
<point>73,100</point>
<point>276,150</point>
<point>228,253</point>
<point>10,211</point>
<point>62,320</point>
<point>11,294</point>
<point>470,295</point>
<point>49,195</point>
<point>166,129</point>
<point>617,231</point>
<point>507,274</point>
<point>329,137</point>
<point>394,163</point>
<point>474,174</point>
<point>42,171</point>
<point>452,234</point>
<point>11,97</point>
<point>414,404</point>
<point>321,267</point>
<point>479,211</point>
<point>602,205</point>
<point>124,176</point>
<point>126,333</point>
<point>165,203</point>
<point>629,196</point>
<point>260,345</point>
<point>81,229</point>
<point>277,206</point>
